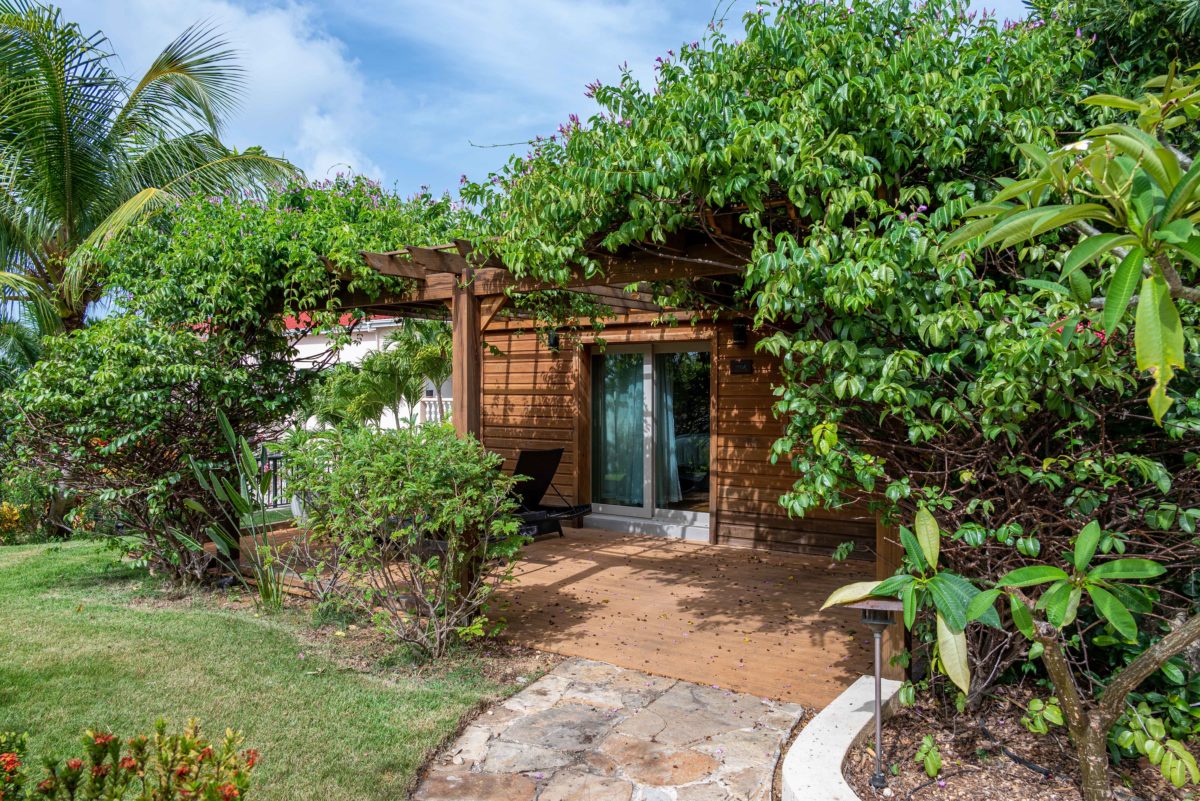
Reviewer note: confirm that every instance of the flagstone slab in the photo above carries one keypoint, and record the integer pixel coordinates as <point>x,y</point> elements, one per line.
<point>590,730</point>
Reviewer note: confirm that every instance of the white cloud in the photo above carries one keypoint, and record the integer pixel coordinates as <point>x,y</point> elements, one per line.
<point>305,99</point>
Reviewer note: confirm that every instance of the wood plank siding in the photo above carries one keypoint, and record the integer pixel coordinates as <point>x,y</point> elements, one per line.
<point>534,397</point>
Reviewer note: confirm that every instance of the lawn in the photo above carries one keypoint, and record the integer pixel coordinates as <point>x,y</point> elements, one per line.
<point>87,642</point>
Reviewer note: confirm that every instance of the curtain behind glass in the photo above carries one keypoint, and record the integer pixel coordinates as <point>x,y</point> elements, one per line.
<point>666,462</point>
<point>618,437</point>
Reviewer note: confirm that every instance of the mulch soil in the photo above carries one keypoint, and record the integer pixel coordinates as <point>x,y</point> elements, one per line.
<point>978,760</point>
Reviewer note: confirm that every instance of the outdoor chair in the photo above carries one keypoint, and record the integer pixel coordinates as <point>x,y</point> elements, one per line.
<point>537,469</point>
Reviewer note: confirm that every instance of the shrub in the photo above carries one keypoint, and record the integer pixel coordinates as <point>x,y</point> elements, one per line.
<point>425,521</point>
<point>163,767</point>
<point>114,412</point>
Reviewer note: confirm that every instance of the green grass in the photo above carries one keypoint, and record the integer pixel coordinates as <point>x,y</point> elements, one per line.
<point>82,645</point>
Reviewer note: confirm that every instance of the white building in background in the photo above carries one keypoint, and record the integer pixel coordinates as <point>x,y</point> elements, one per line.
<point>371,335</point>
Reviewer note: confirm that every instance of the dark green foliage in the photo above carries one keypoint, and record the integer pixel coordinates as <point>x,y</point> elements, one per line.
<point>114,411</point>
<point>423,518</point>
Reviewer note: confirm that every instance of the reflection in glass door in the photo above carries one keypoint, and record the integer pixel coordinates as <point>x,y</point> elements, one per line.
<point>650,432</point>
<point>681,430</point>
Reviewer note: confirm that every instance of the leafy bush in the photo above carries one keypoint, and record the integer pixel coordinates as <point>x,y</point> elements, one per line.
<point>424,520</point>
<point>115,411</point>
<point>162,767</point>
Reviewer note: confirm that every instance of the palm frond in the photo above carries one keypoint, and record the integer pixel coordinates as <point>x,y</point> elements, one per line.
<point>26,294</point>
<point>195,78</point>
<point>58,99</point>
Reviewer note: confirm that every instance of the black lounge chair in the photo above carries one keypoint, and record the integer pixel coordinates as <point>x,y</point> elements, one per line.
<point>537,519</point>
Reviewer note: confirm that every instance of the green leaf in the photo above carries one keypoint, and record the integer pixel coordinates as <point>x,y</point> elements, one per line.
<point>1049,286</point>
<point>892,586</point>
<point>1071,214</point>
<point>1183,192</point>
<point>1126,569</point>
<point>1022,619</point>
<point>851,593</point>
<point>1158,340</point>
<point>982,603</point>
<point>908,597</point>
<point>1085,545</point>
<point>1113,611</point>
<point>950,601</point>
<point>1120,289</point>
<point>952,648</point>
<point>928,536</point>
<point>1031,575</point>
<point>1093,248</point>
<point>1112,101</point>
<point>913,549</point>
<point>1176,232</point>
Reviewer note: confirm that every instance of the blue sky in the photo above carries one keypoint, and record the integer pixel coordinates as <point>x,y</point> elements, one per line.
<point>407,91</point>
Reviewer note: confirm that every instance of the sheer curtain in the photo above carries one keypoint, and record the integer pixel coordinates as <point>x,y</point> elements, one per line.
<point>618,441</point>
<point>666,463</point>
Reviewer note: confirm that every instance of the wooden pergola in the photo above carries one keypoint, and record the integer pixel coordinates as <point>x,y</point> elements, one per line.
<point>453,277</point>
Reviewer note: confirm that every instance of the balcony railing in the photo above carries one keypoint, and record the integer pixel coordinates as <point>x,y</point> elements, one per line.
<point>429,412</point>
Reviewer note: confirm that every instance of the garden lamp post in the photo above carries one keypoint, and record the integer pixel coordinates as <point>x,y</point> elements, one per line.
<point>877,615</point>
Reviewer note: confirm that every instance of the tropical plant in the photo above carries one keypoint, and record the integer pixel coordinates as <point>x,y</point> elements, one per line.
<point>115,411</point>
<point>1144,195</point>
<point>160,767</point>
<point>242,512</point>
<point>923,585</point>
<point>21,332</point>
<point>928,756</point>
<point>425,521</point>
<point>1047,620</point>
<point>429,344</point>
<point>84,152</point>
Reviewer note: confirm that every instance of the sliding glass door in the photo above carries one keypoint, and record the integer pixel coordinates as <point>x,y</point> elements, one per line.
<point>650,432</point>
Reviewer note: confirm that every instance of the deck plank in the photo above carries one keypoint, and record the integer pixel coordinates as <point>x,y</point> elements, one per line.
<point>742,620</point>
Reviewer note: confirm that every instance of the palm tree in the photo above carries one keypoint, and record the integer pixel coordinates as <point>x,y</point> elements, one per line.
<point>85,152</point>
<point>21,332</point>
<point>428,345</point>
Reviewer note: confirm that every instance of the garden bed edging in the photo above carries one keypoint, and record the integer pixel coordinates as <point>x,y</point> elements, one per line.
<point>812,768</point>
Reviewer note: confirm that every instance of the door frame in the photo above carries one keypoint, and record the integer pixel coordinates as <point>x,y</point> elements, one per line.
<point>672,522</point>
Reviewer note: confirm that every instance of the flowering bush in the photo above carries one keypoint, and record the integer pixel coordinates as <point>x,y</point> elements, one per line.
<point>424,520</point>
<point>163,767</point>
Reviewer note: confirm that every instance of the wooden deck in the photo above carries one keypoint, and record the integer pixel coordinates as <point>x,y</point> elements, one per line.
<point>739,619</point>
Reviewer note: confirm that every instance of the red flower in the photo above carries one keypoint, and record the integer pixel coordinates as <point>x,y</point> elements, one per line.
<point>103,739</point>
<point>9,762</point>
<point>182,770</point>
<point>206,753</point>
<point>128,763</point>
<point>228,792</point>
<point>251,757</point>
<point>99,771</point>
<point>46,786</point>
<point>74,764</point>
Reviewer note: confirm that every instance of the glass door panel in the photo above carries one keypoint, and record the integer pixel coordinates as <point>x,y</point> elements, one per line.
<point>619,430</point>
<point>681,430</point>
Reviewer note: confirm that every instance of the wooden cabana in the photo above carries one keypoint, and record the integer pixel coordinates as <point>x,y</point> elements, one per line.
<point>519,392</point>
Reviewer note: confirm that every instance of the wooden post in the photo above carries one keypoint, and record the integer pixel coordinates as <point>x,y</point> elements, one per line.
<point>888,556</point>
<point>466,377</point>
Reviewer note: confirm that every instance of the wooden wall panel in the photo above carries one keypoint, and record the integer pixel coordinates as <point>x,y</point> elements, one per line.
<point>747,486</point>
<point>533,397</point>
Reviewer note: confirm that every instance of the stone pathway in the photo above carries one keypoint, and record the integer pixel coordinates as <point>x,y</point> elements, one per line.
<point>589,731</point>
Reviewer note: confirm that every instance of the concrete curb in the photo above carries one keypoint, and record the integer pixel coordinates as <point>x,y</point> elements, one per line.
<point>812,768</point>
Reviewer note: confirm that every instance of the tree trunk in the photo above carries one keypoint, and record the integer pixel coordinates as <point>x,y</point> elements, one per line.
<point>1092,749</point>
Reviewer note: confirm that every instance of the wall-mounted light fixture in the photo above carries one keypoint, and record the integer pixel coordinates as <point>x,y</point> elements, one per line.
<point>741,332</point>
<point>552,340</point>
